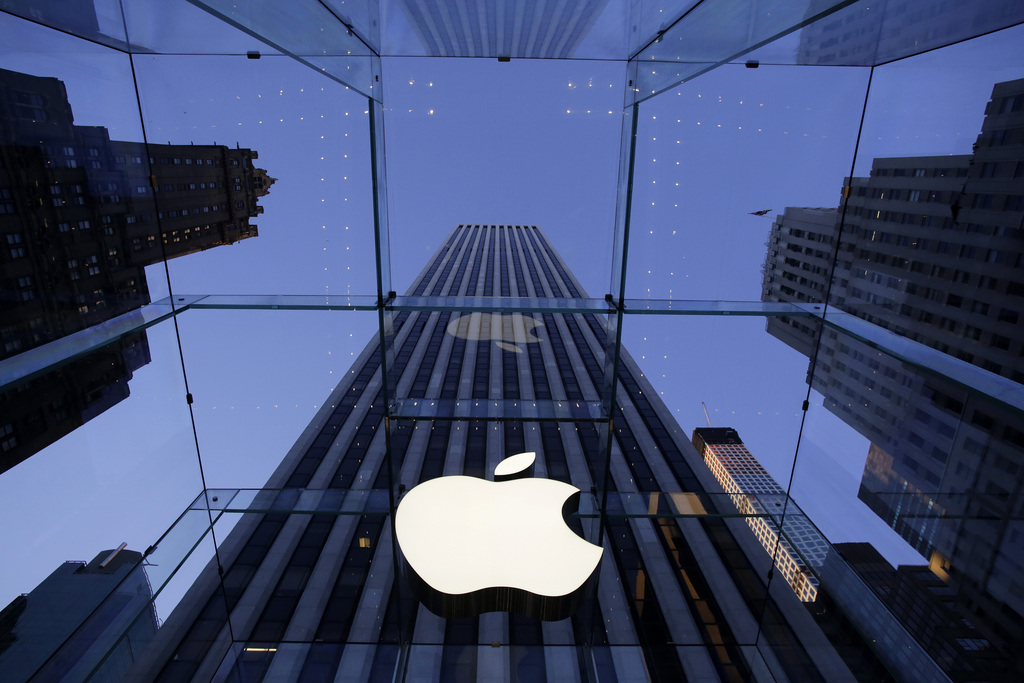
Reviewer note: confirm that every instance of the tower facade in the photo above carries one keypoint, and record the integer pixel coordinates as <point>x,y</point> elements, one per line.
<point>308,587</point>
<point>758,496</point>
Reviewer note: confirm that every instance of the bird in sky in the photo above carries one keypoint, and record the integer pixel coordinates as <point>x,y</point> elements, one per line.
<point>760,213</point>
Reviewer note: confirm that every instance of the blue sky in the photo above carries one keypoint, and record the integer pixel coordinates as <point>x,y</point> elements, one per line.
<point>471,141</point>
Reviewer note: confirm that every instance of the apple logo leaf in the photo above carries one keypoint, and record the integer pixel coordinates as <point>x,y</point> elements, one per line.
<point>517,466</point>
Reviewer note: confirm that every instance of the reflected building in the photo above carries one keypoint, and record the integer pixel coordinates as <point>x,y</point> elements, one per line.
<point>926,606</point>
<point>520,29</point>
<point>86,621</point>
<point>50,406</point>
<point>764,505</point>
<point>877,32</point>
<point>682,590</point>
<point>81,217</point>
<point>931,248</point>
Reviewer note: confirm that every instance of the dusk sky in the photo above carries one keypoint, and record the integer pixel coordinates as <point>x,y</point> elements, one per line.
<point>471,141</point>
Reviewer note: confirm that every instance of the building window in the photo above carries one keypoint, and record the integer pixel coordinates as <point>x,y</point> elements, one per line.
<point>7,438</point>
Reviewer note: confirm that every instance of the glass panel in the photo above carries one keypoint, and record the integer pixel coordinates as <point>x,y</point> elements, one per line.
<point>717,32</point>
<point>179,26</point>
<point>554,166</point>
<point>776,135</point>
<point>63,186</point>
<point>925,255</point>
<point>309,133</point>
<point>100,21</point>
<point>107,454</point>
<point>595,29</point>
<point>253,403</point>
<point>871,34</point>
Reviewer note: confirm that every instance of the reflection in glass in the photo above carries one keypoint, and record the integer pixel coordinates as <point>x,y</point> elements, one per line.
<point>929,248</point>
<point>49,406</point>
<point>85,619</point>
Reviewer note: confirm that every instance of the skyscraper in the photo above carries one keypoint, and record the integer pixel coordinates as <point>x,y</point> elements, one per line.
<point>758,496</point>
<point>85,619</point>
<point>81,217</point>
<point>929,248</point>
<point>306,587</point>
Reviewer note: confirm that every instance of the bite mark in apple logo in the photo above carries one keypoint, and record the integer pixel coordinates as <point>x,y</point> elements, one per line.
<point>471,546</point>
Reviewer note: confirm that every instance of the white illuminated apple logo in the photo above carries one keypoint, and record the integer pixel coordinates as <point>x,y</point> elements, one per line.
<point>473,546</point>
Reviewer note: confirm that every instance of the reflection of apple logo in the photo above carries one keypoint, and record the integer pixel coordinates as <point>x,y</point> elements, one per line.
<point>473,546</point>
<point>471,326</point>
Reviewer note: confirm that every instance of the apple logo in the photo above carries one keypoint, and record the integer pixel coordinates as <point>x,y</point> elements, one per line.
<point>472,546</point>
<point>500,328</point>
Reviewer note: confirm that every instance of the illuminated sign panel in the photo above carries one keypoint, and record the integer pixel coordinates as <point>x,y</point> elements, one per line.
<point>473,546</point>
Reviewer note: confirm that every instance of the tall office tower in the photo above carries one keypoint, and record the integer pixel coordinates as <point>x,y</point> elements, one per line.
<point>755,493</point>
<point>86,621</point>
<point>81,216</point>
<point>931,250</point>
<point>299,596</point>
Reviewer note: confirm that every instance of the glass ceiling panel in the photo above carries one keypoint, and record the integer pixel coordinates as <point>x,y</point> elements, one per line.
<point>718,32</point>
<point>866,34</point>
<point>314,225</point>
<point>718,158</point>
<point>527,143</point>
<point>590,29</point>
<point>100,21</point>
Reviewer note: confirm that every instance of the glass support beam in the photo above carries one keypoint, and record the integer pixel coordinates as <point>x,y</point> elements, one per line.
<point>51,356</point>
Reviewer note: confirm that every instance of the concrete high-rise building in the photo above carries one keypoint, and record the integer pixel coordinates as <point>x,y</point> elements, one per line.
<point>81,215</point>
<point>300,596</point>
<point>86,621</point>
<point>763,502</point>
<point>930,249</point>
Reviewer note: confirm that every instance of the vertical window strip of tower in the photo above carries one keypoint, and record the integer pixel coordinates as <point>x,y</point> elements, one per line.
<point>538,371</point>
<point>437,449</point>
<point>427,365</point>
<point>343,601</point>
<point>482,362</point>
<point>475,463</point>
<point>272,623</point>
<point>526,645</point>
<point>509,360</point>
<point>197,641</point>
<point>503,262</point>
